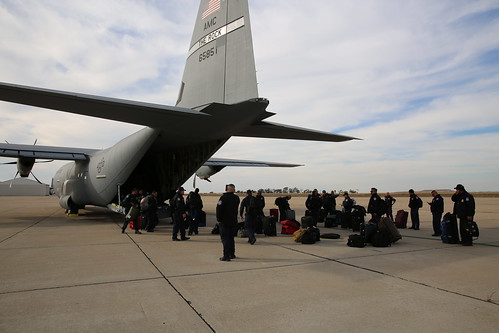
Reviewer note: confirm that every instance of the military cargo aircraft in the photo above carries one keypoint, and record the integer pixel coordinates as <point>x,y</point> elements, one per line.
<point>218,99</point>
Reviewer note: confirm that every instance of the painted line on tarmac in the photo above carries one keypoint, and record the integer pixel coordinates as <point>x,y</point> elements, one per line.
<point>78,285</point>
<point>32,225</point>
<point>164,277</point>
<point>394,276</point>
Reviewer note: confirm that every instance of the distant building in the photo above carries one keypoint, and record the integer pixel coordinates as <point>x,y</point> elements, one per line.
<point>23,187</point>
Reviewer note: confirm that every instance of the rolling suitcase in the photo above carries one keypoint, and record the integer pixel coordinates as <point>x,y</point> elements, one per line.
<point>401,219</point>
<point>450,233</point>
<point>269,226</point>
<point>290,214</point>
<point>386,224</point>
<point>201,219</point>
<point>274,212</point>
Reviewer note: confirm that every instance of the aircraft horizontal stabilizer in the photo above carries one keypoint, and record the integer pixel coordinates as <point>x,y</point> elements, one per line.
<point>265,129</point>
<point>95,106</point>
<point>246,163</point>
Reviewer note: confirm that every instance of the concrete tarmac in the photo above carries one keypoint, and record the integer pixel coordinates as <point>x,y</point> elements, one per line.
<point>81,274</point>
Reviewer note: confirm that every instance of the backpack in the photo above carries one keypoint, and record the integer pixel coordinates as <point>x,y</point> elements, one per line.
<point>419,202</point>
<point>308,237</point>
<point>472,228</point>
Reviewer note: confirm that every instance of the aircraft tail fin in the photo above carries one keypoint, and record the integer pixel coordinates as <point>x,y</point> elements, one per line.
<point>220,66</point>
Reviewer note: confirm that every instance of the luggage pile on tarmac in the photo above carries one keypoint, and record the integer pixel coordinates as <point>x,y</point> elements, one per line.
<point>381,233</point>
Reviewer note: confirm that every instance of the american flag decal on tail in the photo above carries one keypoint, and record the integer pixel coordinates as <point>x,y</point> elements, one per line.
<point>213,6</point>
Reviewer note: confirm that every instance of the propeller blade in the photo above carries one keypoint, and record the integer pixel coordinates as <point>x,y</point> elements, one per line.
<point>9,163</point>
<point>10,186</point>
<point>38,180</point>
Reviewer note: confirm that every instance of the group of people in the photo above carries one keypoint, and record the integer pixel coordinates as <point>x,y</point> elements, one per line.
<point>250,211</point>
<point>138,204</point>
<point>464,209</point>
<point>184,212</point>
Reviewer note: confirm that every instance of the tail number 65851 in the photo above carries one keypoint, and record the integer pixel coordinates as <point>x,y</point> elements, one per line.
<point>207,54</point>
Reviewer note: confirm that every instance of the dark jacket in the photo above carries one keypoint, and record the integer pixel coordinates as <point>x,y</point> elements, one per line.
<point>464,205</point>
<point>260,199</point>
<point>194,201</point>
<point>389,201</point>
<point>178,204</point>
<point>227,209</point>
<point>282,203</point>
<point>437,204</point>
<point>313,203</point>
<point>348,204</point>
<point>375,203</point>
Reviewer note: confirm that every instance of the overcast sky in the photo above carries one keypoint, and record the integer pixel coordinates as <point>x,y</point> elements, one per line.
<point>418,81</point>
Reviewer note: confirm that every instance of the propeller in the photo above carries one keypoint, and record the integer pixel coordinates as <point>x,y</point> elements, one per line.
<point>25,164</point>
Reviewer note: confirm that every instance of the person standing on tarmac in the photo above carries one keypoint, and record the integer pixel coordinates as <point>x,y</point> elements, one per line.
<point>195,205</point>
<point>390,201</point>
<point>227,217</point>
<point>151,211</point>
<point>249,213</point>
<point>464,208</point>
<point>327,203</point>
<point>437,209</point>
<point>347,204</point>
<point>179,215</point>
<point>314,204</point>
<point>415,203</point>
<point>374,207</point>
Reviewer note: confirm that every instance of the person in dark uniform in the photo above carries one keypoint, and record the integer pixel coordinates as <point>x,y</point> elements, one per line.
<point>132,211</point>
<point>327,203</point>
<point>151,213</point>
<point>283,204</point>
<point>227,217</point>
<point>195,205</point>
<point>179,215</point>
<point>437,209</point>
<point>347,204</point>
<point>314,204</point>
<point>374,207</point>
<point>464,208</point>
<point>249,213</point>
<point>261,205</point>
<point>414,204</point>
<point>390,201</point>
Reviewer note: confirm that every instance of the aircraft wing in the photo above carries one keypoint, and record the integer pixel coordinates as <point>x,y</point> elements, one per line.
<point>45,152</point>
<point>264,129</point>
<point>246,163</point>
